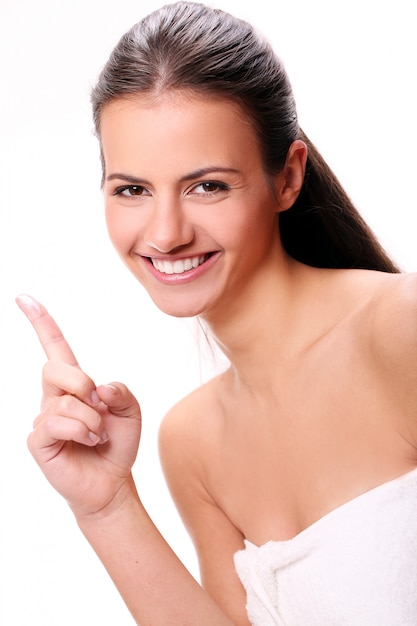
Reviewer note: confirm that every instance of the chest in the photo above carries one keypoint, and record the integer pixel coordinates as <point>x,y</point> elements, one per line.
<point>329,434</point>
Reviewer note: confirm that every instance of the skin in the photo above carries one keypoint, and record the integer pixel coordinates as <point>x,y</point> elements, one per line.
<point>170,215</point>
<point>319,402</point>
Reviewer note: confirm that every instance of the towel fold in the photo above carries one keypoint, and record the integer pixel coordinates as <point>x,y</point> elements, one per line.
<point>356,566</point>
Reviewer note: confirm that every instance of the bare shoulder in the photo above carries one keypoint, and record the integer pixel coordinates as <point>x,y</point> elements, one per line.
<point>391,331</point>
<point>188,439</point>
<point>379,312</point>
<point>187,421</point>
<point>393,314</point>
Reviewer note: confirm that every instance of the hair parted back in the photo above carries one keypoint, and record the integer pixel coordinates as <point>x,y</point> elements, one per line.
<point>187,46</point>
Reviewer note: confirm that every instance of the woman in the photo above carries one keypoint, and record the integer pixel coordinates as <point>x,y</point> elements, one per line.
<point>294,470</point>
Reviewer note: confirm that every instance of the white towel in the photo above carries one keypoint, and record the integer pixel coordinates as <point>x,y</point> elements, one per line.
<point>356,566</point>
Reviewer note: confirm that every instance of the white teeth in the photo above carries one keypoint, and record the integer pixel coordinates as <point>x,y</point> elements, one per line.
<point>179,266</point>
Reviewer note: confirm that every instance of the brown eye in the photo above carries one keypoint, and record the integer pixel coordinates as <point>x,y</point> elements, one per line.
<point>130,190</point>
<point>209,187</point>
<point>135,190</point>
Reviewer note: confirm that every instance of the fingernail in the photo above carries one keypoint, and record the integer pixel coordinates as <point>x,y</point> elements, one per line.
<point>29,306</point>
<point>93,437</point>
<point>104,437</point>
<point>112,388</point>
<point>94,397</point>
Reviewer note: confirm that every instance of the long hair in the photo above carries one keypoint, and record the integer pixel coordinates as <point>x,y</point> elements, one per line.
<point>189,46</point>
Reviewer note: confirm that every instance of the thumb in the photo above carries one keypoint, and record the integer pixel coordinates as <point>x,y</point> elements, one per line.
<point>119,400</point>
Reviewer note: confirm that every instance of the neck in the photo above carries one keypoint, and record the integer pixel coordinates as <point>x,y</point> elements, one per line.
<point>265,328</point>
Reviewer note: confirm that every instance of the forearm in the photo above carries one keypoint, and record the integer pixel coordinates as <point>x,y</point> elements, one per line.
<point>155,585</point>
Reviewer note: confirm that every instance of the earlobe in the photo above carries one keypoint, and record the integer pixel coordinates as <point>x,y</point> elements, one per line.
<point>291,178</point>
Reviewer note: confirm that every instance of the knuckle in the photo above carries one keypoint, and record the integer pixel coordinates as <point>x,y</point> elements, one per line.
<point>30,443</point>
<point>65,404</point>
<point>48,423</point>
<point>38,419</point>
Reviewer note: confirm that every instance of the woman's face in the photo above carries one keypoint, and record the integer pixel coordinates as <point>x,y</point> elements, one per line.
<point>188,205</point>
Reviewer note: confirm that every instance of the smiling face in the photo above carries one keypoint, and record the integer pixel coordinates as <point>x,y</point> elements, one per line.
<point>188,205</point>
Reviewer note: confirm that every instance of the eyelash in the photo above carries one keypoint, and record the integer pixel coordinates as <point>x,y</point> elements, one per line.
<point>211,183</point>
<point>218,187</point>
<point>119,191</point>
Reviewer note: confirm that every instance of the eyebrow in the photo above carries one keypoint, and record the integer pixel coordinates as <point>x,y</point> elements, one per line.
<point>203,171</point>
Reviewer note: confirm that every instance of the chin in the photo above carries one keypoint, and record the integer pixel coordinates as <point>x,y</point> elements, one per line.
<point>180,307</point>
<point>179,311</point>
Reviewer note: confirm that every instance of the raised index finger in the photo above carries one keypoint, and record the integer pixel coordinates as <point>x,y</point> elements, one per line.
<point>52,340</point>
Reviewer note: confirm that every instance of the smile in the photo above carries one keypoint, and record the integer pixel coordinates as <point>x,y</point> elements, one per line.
<point>179,266</point>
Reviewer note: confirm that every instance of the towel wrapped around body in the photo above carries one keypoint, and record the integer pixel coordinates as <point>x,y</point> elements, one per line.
<point>356,566</point>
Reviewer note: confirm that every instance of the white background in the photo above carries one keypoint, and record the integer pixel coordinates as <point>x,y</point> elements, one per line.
<point>353,68</point>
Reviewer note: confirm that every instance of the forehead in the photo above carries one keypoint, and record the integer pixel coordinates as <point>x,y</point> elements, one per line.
<point>176,128</point>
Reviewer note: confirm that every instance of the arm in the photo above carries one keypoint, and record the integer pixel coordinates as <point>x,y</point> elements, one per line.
<point>393,349</point>
<point>184,454</point>
<point>154,584</point>
<point>85,441</point>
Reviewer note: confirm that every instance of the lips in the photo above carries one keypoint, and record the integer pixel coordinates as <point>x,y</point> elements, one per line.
<point>179,266</point>
<point>180,271</point>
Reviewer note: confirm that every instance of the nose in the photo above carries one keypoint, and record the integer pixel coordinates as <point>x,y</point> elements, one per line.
<point>168,228</point>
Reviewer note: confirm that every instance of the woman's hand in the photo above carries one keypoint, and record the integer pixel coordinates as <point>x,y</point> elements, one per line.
<point>86,438</point>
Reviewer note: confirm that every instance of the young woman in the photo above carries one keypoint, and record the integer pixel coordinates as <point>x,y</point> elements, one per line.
<point>294,470</point>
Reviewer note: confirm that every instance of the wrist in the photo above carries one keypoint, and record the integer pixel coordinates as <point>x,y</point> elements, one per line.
<point>124,499</point>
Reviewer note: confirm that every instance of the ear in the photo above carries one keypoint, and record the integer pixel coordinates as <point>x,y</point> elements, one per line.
<point>289,181</point>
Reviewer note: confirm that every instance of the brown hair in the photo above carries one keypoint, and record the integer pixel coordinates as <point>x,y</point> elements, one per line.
<point>189,46</point>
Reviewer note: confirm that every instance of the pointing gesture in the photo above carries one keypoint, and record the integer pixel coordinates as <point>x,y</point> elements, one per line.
<point>50,336</point>
<point>85,440</point>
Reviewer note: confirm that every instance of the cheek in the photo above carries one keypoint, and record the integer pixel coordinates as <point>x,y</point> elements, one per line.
<point>252,226</point>
<point>119,227</point>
